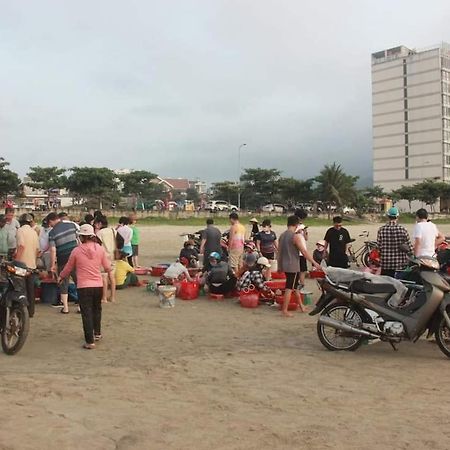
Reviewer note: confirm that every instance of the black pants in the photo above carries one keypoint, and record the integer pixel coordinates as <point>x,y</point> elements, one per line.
<point>224,288</point>
<point>90,300</point>
<point>29,286</point>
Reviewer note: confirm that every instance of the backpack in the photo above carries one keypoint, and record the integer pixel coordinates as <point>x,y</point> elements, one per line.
<point>120,242</point>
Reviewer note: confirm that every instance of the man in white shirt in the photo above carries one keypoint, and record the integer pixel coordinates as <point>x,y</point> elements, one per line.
<point>426,236</point>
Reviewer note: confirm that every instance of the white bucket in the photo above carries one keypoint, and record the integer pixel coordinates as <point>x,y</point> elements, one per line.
<point>274,266</point>
<point>167,296</point>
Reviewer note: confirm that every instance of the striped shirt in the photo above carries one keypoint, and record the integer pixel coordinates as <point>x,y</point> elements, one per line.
<point>63,236</point>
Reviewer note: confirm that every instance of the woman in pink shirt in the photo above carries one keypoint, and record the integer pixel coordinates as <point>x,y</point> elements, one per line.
<point>87,259</point>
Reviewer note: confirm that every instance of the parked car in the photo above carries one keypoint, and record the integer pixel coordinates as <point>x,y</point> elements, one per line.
<point>274,207</point>
<point>348,210</point>
<point>220,205</point>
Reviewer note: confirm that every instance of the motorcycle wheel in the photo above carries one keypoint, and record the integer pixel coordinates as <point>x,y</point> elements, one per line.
<point>443,337</point>
<point>19,326</point>
<point>338,340</point>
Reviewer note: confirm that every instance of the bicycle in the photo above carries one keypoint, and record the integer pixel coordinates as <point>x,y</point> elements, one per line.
<point>367,255</point>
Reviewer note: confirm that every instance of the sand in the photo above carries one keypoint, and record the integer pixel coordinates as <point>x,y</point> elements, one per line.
<point>208,375</point>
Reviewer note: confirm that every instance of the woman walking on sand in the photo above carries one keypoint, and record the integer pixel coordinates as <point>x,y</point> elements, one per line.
<point>87,259</point>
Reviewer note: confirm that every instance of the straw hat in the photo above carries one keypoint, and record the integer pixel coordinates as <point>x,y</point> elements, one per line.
<point>254,219</point>
<point>86,230</point>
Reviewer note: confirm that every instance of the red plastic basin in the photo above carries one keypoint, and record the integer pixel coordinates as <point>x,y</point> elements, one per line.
<point>158,271</point>
<point>278,275</point>
<point>250,299</point>
<point>280,299</point>
<point>276,284</point>
<point>316,274</point>
<point>189,290</point>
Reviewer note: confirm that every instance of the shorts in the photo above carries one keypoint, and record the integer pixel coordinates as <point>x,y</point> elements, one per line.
<point>135,250</point>
<point>235,258</point>
<point>292,280</point>
<point>269,256</point>
<point>303,266</point>
<point>64,285</point>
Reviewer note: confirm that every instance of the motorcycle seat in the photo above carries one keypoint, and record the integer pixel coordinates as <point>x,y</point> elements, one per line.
<point>367,287</point>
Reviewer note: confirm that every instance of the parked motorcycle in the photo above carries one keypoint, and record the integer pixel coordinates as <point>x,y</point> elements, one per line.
<point>354,312</point>
<point>14,318</point>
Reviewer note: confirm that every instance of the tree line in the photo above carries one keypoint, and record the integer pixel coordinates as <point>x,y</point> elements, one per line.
<point>332,186</point>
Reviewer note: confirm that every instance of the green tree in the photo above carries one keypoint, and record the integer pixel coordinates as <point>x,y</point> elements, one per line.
<point>260,186</point>
<point>91,183</point>
<point>193,195</point>
<point>408,193</point>
<point>225,190</point>
<point>292,191</point>
<point>47,179</point>
<point>334,186</point>
<point>140,186</point>
<point>9,181</point>
<point>429,191</point>
<point>374,192</point>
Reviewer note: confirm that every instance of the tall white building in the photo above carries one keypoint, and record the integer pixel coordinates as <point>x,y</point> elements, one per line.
<point>411,115</point>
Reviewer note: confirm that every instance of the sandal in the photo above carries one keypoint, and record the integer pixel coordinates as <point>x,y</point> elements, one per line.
<point>89,346</point>
<point>98,337</point>
<point>64,312</point>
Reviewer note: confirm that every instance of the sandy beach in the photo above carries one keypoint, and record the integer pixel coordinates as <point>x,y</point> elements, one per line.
<point>213,375</point>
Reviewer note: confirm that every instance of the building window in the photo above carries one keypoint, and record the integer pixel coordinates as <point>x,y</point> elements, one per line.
<point>446,100</point>
<point>447,160</point>
<point>446,123</point>
<point>445,111</point>
<point>406,174</point>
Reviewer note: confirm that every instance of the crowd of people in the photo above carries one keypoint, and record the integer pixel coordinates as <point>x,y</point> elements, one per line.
<point>237,263</point>
<point>99,259</point>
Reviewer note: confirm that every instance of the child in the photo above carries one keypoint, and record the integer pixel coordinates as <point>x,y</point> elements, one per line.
<point>125,275</point>
<point>135,240</point>
<point>176,271</point>
<point>320,254</point>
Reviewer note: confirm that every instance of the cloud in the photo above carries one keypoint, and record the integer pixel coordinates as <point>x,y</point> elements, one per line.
<point>176,87</point>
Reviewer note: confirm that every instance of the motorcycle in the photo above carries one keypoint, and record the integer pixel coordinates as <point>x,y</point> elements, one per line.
<point>353,313</point>
<point>14,318</point>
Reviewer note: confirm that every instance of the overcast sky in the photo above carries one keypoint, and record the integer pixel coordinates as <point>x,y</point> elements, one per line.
<point>176,86</point>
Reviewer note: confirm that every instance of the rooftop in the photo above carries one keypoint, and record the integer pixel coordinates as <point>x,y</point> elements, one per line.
<point>402,51</point>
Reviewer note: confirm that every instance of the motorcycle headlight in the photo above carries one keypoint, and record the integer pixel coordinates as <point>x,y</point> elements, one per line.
<point>429,263</point>
<point>20,271</point>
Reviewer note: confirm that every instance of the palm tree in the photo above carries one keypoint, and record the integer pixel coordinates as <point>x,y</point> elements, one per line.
<point>334,186</point>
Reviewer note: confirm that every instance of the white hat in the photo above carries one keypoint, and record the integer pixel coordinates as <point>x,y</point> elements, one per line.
<point>86,230</point>
<point>322,243</point>
<point>254,219</point>
<point>263,261</point>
